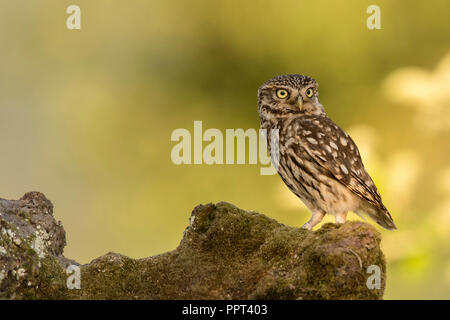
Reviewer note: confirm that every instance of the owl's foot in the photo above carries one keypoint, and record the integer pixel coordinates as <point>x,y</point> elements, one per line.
<point>307,226</point>
<point>341,217</point>
<point>317,216</point>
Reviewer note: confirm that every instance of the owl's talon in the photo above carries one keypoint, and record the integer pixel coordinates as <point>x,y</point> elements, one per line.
<point>341,218</point>
<point>307,226</point>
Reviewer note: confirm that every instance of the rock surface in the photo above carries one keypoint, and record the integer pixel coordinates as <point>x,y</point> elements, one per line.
<point>225,253</point>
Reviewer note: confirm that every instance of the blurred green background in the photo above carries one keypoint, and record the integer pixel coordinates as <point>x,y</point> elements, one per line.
<point>86,115</point>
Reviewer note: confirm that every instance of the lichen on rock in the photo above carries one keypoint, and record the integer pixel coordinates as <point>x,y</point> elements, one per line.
<point>225,253</point>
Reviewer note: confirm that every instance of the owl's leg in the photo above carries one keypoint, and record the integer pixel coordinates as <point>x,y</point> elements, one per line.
<point>341,217</point>
<point>317,216</point>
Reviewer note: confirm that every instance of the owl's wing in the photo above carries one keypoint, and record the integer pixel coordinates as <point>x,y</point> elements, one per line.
<point>337,154</point>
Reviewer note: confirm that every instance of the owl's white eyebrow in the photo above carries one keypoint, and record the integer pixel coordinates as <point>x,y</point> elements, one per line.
<point>282,87</point>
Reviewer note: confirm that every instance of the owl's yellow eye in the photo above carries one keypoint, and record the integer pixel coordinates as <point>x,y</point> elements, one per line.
<point>309,92</point>
<point>282,93</point>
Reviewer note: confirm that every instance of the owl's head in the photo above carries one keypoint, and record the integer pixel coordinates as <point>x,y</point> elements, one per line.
<point>286,95</point>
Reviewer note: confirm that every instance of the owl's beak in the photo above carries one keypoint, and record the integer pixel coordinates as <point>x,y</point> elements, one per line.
<point>300,102</point>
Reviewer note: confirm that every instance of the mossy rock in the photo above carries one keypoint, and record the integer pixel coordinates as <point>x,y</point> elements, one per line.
<point>225,253</point>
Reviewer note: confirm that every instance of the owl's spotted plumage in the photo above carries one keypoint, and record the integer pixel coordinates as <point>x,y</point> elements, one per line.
<point>318,161</point>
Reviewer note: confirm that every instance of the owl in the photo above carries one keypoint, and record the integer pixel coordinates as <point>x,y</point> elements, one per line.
<point>317,160</point>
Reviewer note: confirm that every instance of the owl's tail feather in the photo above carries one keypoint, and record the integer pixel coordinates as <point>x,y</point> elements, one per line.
<point>381,216</point>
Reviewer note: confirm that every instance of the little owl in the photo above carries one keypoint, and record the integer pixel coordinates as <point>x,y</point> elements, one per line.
<point>318,161</point>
